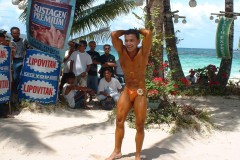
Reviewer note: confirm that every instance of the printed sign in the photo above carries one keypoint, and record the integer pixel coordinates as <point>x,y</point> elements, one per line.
<point>39,79</point>
<point>5,54</point>
<point>222,38</point>
<point>49,24</point>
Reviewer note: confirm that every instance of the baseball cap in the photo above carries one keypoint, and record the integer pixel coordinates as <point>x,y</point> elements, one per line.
<point>3,31</point>
<point>2,35</point>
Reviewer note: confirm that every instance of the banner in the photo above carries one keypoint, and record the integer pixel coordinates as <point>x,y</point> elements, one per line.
<point>5,80</point>
<point>49,24</point>
<point>39,78</point>
<point>222,38</point>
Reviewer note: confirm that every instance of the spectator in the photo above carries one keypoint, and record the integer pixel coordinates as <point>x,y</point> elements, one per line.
<point>165,68</point>
<point>92,81</point>
<point>74,99</point>
<point>119,73</point>
<point>80,63</point>
<point>109,86</point>
<point>4,107</point>
<point>7,38</point>
<point>107,60</point>
<point>3,38</point>
<point>21,45</point>
<point>191,77</point>
<point>66,63</point>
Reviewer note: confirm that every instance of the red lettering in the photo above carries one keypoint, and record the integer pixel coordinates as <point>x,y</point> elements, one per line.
<point>3,83</point>
<point>42,63</point>
<point>38,90</point>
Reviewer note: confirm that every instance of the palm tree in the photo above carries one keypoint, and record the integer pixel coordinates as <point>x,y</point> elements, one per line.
<point>92,22</point>
<point>154,21</point>
<point>172,52</point>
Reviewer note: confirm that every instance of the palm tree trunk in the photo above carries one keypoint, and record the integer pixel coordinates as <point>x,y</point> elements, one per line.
<point>172,52</point>
<point>155,18</point>
<point>226,64</point>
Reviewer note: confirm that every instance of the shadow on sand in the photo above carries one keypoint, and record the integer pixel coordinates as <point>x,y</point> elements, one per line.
<point>19,133</point>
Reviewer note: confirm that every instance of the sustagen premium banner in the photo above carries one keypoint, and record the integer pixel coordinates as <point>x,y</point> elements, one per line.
<point>49,24</point>
<point>40,75</point>
<point>5,54</point>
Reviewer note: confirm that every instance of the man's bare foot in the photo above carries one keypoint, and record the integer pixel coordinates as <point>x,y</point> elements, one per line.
<point>114,155</point>
<point>137,157</point>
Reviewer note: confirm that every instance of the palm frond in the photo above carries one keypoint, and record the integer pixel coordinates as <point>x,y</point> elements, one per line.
<point>100,15</point>
<point>101,35</point>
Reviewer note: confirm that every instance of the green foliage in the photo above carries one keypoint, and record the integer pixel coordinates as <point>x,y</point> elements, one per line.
<point>232,88</point>
<point>192,118</point>
<point>208,84</point>
<point>183,116</point>
<point>41,108</point>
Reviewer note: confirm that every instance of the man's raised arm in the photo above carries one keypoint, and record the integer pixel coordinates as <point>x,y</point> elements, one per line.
<point>116,41</point>
<point>147,40</point>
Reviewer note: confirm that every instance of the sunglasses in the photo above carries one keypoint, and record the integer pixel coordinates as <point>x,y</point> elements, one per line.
<point>106,48</point>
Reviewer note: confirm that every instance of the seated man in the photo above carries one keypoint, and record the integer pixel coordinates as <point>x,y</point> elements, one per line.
<point>74,98</point>
<point>109,87</point>
<point>191,77</point>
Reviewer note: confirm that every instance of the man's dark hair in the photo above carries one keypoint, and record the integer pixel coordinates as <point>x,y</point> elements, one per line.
<point>2,35</point>
<point>91,42</point>
<point>70,75</point>
<point>14,28</point>
<point>133,31</point>
<point>106,45</point>
<point>83,42</point>
<point>107,69</point>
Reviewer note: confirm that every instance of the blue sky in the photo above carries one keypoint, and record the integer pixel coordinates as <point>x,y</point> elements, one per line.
<point>199,32</point>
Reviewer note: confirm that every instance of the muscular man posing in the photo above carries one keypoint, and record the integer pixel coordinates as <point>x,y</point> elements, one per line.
<point>133,61</point>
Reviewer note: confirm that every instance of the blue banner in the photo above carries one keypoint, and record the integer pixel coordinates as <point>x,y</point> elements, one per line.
<point>49,24</point>
<point>40,75</point>
<point>5,80</point>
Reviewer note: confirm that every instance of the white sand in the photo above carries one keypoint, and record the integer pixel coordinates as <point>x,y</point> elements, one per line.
<point>87,135</point>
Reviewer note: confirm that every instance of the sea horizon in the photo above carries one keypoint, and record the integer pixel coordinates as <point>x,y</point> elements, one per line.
<point>194,58</point>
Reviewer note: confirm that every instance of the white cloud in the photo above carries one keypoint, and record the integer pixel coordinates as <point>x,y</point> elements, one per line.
<point>9,16</point>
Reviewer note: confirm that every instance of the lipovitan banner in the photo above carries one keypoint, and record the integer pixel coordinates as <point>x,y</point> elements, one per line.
<point>5,80</point>
<point>49,23</point>
<point>39,78</point>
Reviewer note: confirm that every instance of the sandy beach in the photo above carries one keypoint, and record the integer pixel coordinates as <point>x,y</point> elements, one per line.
<point>68,134</point>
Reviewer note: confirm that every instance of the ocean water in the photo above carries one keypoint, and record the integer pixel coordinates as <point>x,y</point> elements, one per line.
<point>194,58</point>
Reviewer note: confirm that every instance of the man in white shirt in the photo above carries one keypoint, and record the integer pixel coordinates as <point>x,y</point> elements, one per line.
<point>109,87</point>
<point>74,93</point>
<point>66,63</point>
<point>80,63</point>
<point>191,77</point>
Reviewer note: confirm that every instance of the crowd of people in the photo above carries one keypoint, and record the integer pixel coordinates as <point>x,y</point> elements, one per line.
<point>90,81</point>
<point>81,78</point>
